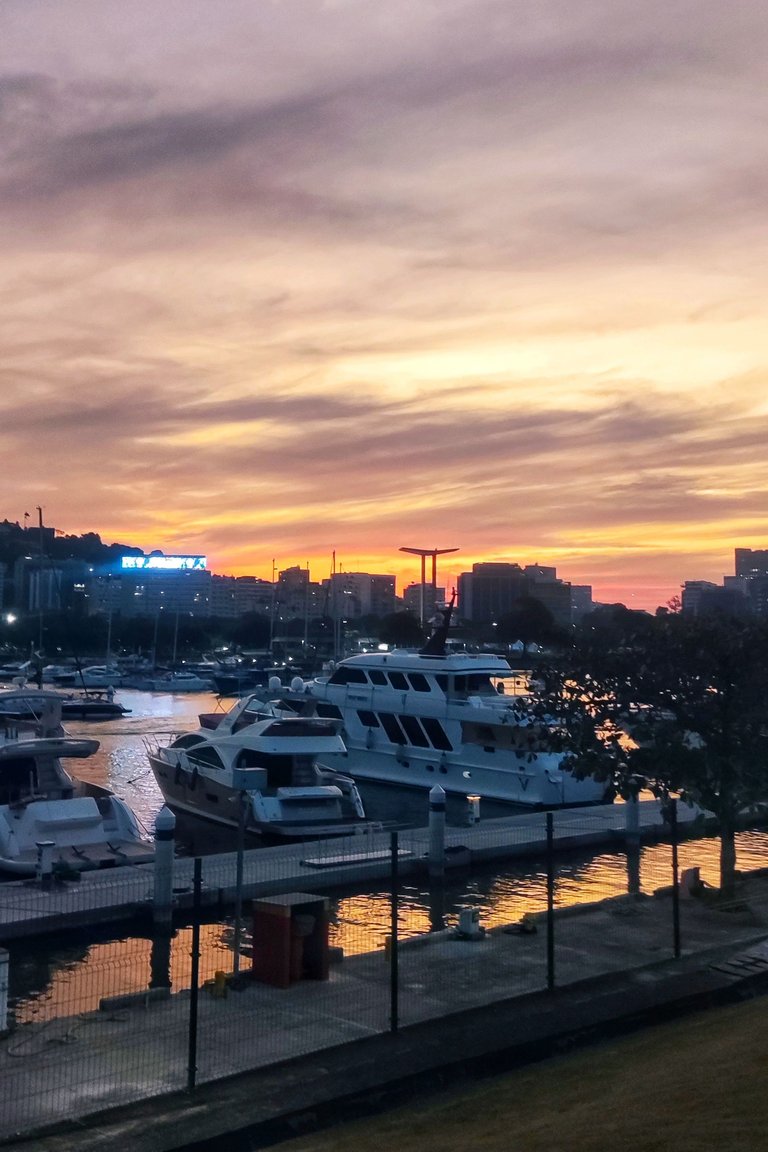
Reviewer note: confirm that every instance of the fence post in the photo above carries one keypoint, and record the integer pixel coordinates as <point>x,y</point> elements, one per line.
<point>3,991</point>
<point>195,977</point>
<point>632,838</point>
<point>675,880</point>
<point>550,903</point>
<point>393,949</point>
<point>241,818</point>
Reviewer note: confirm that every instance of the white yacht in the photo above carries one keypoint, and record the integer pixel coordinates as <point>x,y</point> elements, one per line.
<point>465,721</point>
<point>86,825</point>
<point>256,764</point>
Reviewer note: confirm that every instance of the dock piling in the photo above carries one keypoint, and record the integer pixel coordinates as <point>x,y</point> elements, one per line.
<point>165,847</point>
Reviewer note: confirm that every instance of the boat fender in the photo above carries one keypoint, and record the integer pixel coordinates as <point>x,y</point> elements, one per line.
<point>193,779</point>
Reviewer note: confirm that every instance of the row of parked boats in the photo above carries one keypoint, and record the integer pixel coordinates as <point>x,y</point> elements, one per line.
<point>284,761</point>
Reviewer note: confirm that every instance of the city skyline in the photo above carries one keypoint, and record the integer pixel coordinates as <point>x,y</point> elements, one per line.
<point>313,277</point>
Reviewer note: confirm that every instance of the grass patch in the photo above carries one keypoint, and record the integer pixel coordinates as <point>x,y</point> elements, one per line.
<point>696,1084</point>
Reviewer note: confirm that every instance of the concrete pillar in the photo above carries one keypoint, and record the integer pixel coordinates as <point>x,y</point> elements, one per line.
<point>3,991</point>
<point>436,831</point>
<point>165,847</point>
<point>44,870</point>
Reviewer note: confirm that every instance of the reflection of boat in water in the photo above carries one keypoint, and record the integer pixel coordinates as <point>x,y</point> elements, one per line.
<point>84,824</point>
<point>266,762</point>
<point>465,721</point>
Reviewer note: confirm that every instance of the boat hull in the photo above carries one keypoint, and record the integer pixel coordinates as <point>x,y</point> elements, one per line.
<point>540,783</point>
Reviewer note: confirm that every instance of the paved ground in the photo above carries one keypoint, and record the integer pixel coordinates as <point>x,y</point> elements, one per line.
<point>319,1051</point>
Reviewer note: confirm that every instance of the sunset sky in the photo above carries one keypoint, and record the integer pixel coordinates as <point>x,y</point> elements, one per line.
<point>287,277</point>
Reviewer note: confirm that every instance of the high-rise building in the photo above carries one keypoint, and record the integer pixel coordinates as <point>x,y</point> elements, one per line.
<point>354,594</point>
<point>752,566</point>
<point>490,590</point>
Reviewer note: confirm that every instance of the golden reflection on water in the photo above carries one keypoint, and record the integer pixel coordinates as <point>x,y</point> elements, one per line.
<point>75,978</point>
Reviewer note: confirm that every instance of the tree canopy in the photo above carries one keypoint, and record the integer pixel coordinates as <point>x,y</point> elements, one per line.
<point>679,705</point>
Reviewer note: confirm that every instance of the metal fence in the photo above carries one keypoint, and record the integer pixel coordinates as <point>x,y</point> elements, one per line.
<point>251,973</point>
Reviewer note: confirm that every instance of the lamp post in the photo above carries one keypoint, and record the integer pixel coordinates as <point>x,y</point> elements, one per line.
<point>434,553</point>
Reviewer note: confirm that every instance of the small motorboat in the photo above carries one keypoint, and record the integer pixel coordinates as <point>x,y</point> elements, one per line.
<point>84,825</point>
<point>260,766</point>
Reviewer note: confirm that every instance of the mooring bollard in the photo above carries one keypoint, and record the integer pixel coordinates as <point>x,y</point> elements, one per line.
<point>436,831</point>
<point>44,870</point>
<point>3,991</point>
<point>165,847</point>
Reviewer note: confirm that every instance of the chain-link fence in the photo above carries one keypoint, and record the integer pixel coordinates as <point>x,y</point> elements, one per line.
<point>239,982</point>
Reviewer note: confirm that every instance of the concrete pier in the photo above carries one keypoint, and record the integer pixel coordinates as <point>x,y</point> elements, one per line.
<point>119,895</point>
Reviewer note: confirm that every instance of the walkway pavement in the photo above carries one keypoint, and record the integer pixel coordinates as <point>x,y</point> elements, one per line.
<point>319,1052</point>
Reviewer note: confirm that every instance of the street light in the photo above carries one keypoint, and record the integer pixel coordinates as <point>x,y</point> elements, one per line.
<point>434,553</point>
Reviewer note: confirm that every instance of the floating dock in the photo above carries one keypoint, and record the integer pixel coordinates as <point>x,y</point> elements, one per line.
<point>124,894</point>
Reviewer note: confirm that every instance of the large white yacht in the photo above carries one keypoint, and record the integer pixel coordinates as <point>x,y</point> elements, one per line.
<point>257,764</point>
<point>464,720</point>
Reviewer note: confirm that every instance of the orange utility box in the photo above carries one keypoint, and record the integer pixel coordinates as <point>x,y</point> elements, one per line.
<point>290,938</point>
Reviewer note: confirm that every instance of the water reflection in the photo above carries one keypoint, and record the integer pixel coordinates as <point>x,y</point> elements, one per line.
<point>63,977</point>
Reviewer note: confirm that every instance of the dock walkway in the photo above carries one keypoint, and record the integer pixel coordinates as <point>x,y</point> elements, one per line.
<point>273,1061</point>
<point>123,894</point>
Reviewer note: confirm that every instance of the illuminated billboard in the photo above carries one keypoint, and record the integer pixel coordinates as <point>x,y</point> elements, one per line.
<point>165,563</point>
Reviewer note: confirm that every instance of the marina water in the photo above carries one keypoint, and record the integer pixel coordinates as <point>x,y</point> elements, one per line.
<point>50,975</point>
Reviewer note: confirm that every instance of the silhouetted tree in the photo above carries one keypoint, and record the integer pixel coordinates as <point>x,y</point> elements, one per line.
<point>693,696</point>
<point>529,620</point>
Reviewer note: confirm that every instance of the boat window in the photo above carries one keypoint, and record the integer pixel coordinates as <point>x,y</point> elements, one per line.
<point>376,676</point>
<point>479,684</point>
<point>442,681</point>
<point>298,726</point>
<point>207,756</point>
<point>368,719</point>
<point>398,680</point>
<point>329,711</point>
<point>419,682</point>
<point>414,731</point>
<point>436,733</point>
<point>392,728</point>
<point>346,675</point>
<point>188,740</point>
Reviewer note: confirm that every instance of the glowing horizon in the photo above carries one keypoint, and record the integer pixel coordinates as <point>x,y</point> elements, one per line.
<point>293,278</point>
